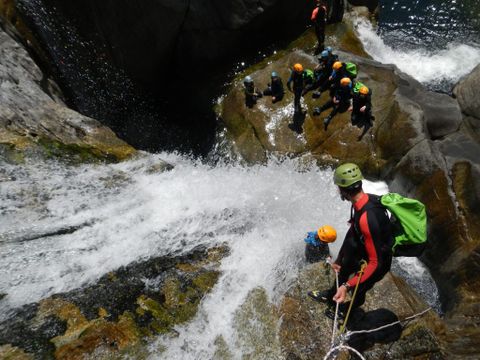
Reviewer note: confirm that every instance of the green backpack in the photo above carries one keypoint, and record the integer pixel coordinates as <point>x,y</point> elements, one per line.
<point>351,69</point>
<point>408,222</point>
<point>308,75</point>
<point>357,86</point>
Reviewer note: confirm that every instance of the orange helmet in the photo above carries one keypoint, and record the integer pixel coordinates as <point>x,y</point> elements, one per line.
<point>327,234</point>
<point>345,81</point>
<point>363,90</point>
<point>298,67</point>
<point>337,65</point>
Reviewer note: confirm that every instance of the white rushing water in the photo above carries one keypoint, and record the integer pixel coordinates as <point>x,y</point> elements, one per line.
<point>427,66</point>
<point>124,213</point>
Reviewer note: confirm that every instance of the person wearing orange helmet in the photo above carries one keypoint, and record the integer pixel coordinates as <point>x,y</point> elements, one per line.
<point>362,108</point>
<point>299,81</point>
<point>340,102</point>
<point>316,248</point>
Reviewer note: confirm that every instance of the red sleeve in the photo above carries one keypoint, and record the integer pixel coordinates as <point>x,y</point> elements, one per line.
<point>314,14</point>
<point>372,261</point>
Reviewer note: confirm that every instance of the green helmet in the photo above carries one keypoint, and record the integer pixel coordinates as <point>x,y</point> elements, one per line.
<point>347,174</point>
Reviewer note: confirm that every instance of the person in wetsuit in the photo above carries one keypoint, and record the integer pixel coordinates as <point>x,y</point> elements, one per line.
<point>340,102</point>
<point>319,20</point>
<point>362,110</point>
<point>275,88</point>
<point>369,239</point>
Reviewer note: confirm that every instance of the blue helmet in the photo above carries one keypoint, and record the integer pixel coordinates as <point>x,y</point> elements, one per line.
<point>248,79</point>
<point>324,54</point>
<point>274,74</point>
<point>328,49</point>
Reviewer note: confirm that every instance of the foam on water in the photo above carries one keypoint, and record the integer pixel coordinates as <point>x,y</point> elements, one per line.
<point>122,212</point>
<point>431,67</point>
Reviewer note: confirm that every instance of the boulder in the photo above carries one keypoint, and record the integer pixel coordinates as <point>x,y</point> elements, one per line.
<point>113,317</point>
<point>34,121</point>
<point>466,93</point>
<point>306,333</point>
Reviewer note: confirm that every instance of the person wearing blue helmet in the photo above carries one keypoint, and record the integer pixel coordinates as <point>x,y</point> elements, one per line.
<point>251,93</point>
<point>323,71</point>
<point>275,88</point>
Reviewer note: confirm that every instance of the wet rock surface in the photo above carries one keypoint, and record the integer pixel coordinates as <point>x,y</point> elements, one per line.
<point>297,328</point>
<point>117,314</point>
<point>34,121</point>
<point>467,95</point>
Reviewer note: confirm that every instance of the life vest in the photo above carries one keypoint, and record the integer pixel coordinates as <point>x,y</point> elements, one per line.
<point>315,12</point>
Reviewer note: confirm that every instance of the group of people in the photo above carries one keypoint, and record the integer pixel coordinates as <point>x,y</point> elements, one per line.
<point>332,75</point>
<point>369,238</point>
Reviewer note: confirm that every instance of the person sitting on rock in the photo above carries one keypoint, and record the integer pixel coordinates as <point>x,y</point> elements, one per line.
<point>362,110</point>
<point>298,79</point>
<point>251,93</point>
<point>338,73</point>
<point>275,88</point>
<point>316,248</point>
<point>340,102</point>
<point>323,70</point>
<point>319,20</point>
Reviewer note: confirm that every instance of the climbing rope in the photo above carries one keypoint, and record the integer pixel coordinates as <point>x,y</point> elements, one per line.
<point>360,274</point>
<point>350,333</point>
<point>345,337</point>
<point>343,347</point>
<point>335,320</point>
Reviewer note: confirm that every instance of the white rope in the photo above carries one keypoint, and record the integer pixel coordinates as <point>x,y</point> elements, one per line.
<point>335,320</point>
<point>350,333</point>
<point>345,347</point>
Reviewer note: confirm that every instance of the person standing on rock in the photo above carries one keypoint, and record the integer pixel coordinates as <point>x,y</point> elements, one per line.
<point>251,93</point>
<point>319,20</point>
<point>369,239</point>
<point>275,88</point>
<point>362,109</point>
<point>340,102</point>
<point>297,79</point>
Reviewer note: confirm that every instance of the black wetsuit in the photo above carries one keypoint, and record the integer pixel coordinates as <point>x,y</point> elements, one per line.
<point>298,85</point>
<point>343,94</point>
<point>362,119</point>
<point>323,71</point>
<point>369,238</point>
<point>275,89</point>
<point>319,19</point>
<point>317,253</point>
<point>251,94</point>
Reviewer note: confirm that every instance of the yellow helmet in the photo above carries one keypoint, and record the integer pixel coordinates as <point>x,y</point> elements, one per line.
<point>363,90</point>
<point>327,234</point>
<point>298,67</point>
<point>345,81</point>
<point>337,65</point>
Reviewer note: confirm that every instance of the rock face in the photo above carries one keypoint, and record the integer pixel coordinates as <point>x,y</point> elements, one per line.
<point>114,316</point>
<point>420,144</point>
<point>35,121</point>
<point>144,38</point>
<point>466,93</point>
<point>305,332</point>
